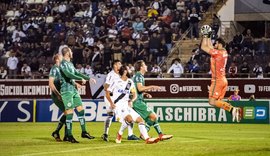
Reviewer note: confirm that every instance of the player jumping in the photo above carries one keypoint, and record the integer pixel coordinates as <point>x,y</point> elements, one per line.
<point>219,81</point>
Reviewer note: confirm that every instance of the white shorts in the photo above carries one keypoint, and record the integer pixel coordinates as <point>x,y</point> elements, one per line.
<point>122,110</point>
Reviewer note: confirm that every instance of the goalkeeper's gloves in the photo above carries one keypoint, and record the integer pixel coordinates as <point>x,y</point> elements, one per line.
<point>207,34</point>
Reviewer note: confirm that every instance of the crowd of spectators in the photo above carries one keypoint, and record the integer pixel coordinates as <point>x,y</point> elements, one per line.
<point>248,57</point>
<point>97,31</point>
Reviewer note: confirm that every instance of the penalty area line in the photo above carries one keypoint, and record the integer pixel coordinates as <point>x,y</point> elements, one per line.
<point>100,147</point>
<point>72,150</point>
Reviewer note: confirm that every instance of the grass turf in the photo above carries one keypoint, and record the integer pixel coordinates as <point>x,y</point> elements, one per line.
<point>189,139</point>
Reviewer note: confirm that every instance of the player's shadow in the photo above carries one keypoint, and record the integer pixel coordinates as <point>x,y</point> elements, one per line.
<point>45,139</point>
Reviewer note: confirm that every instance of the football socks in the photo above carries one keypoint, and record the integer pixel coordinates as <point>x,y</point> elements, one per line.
<point>143,130</point>
<point>226,106</point>
<point>122,128</point>
<point>130,129</point>
<point>82,120</point>
<point>107,124</point>
<point>69,124</point>
<point>62,121</point>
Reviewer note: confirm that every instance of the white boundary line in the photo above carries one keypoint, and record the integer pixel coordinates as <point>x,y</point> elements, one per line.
<point>72,150</point>
<point>93,148</point>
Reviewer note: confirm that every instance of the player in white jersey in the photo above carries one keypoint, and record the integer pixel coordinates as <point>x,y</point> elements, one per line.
<point>121,90</point>
<point>111,77</point>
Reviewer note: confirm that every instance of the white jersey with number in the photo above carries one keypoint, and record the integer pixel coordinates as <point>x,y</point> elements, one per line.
<point>120,87</point>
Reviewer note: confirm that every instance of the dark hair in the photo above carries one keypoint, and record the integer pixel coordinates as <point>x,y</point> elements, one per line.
<point>122,70</point>
<point>138,65</point>
<point>115,62</point>
<point>221,41</point>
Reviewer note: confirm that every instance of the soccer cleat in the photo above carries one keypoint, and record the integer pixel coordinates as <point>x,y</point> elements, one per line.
<point>165,137</point>
<point>72,139</point>
<point>56,136</point>
<point>133,137</point>
<point>152,140</point>
<point>87,135</point>
<point>65,138</point>
<point>118,138</point>
<point>105,137</point>
<point>236,115</point>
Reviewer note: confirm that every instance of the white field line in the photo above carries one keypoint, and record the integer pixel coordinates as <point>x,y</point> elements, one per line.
<point>93,148</point>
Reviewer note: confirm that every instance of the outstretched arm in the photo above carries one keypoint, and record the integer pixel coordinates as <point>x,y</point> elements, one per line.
<point>206,45</point>
<point>70,75</point>
<point>143,88</point>
<point>82,75</point>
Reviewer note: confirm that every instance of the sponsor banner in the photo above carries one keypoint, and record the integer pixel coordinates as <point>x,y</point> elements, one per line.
<point>16,111</point>
<point>198,88</point>
<point>166,110</point>
<point>31,89</point>
<point>47,111</point>
<point>170,88</point>
<point>201,111</point>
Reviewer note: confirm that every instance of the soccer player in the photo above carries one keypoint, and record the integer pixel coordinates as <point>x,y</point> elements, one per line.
<point>55,86</point>
<point>219,81</point>
<point>70,95</point>
<point>140,105</point>
<point>120,101</point>
<point>111,77</point>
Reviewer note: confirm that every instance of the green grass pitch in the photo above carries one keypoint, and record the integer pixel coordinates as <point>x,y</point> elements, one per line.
<point>189,139</point>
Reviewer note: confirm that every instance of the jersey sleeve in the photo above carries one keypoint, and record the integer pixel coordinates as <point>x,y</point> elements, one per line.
<point>111,87</point>
<point>109,79</point>
<point>65,69</point>
<point>138,79</point>
<point>82,75</point>
<point>53,72</point>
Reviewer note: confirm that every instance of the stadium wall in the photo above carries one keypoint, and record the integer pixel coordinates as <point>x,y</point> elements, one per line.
<point>167,110</point>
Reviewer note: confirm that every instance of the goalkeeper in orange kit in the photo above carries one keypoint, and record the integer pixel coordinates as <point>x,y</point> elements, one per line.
<point>219,81</point>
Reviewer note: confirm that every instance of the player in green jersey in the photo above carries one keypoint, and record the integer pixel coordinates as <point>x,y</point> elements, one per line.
<point>140,105</point>
<point>55,86</point>
<point>70,95</point>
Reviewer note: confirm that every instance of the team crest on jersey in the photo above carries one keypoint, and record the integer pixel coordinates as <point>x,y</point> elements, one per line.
<point>123,91</point>
<point>69,104</point>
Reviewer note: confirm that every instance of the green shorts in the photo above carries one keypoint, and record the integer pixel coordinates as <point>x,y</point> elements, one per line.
<point>58,103</point>
<point>142,109</point>
<point>71,99</point>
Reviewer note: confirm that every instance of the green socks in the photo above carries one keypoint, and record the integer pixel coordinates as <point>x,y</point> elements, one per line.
<point>82,120</point>
<point>69,124</point>
<point>150,123</point>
